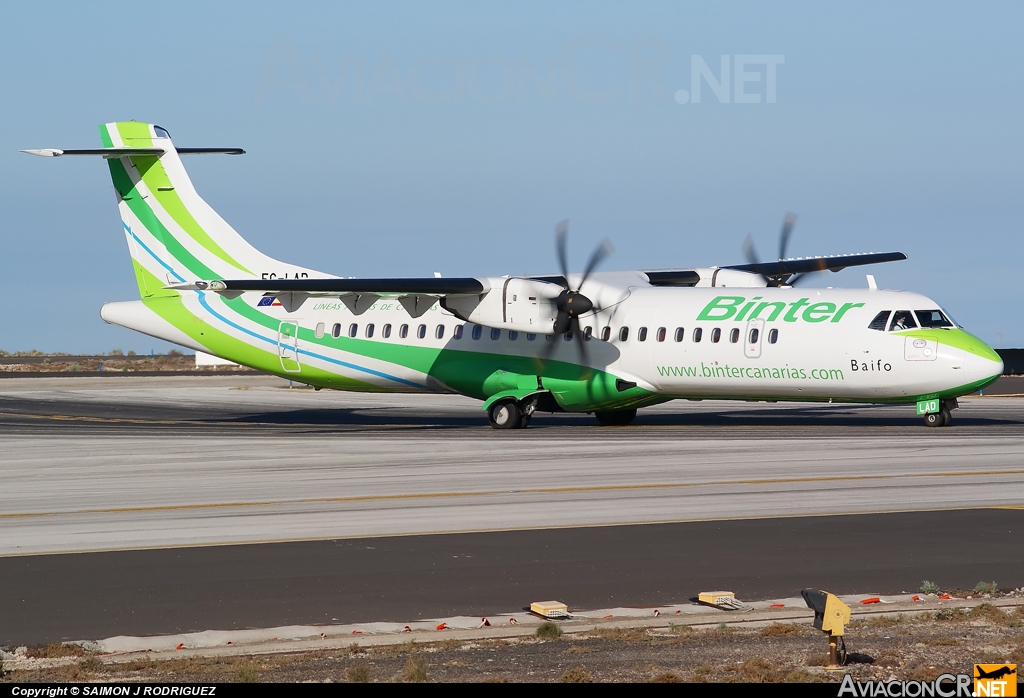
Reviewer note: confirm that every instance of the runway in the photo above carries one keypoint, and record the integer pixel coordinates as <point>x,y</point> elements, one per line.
<point>163,465</point>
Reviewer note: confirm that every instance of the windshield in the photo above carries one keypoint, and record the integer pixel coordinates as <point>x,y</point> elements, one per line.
<point>932,318</point>
<point>902,320</point>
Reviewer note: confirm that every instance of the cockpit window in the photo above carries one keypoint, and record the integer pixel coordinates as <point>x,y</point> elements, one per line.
<point>902,320</point>
<point>879,322</point>
<point>161,132</point>
<point>932,318</point>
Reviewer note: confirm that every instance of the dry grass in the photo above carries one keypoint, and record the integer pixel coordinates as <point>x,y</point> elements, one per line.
<point>878,622</point>
<point>246,672</point>
<point>703,674</point>
<point>449,644</point>
<point>950,614</point>
<point>56,650</point>
<point>548,631</point>
<point>358,672</point>
<point>666,677</point>
<point>621,634</point>
<point>988,612</point>
<point>415,669</point>
<point>576,675</point>
<point>780,629</point>
<point>760,670</point>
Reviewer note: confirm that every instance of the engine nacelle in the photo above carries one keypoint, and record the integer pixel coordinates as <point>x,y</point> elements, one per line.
<point>523,305</point>
<point>729,278</point>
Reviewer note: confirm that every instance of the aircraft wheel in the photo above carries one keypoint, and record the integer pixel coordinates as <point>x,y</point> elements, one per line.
<point>505,415</point>
<point>947,417</point>
<point>616,418</point>
<point>934,419</point>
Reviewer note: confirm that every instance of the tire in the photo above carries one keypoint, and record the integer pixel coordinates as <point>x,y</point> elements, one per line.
<point>505,414</point>
<point>934,419</point>
<point>616,418</point>
<point>947,417</point>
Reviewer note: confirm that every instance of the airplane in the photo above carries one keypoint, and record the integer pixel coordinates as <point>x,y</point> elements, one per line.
<point>606,343</point>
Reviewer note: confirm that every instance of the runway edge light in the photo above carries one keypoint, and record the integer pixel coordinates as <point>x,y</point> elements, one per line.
<point>830,616</point>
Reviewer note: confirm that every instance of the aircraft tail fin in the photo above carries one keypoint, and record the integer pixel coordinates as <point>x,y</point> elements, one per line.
<point>173,235</point>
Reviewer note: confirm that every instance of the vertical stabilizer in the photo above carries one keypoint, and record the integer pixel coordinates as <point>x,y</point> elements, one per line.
<point>173,235</point>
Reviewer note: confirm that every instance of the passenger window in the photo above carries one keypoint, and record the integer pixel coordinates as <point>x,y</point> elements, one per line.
<point>457,332</point>
<point>932,318</point>
<point>773,336</point>
<point>754,336</point>
<point>588,332</point>
<point>495,333</point>
<point>716,335</point>
<point>319,331</point>
<point>336,330</point>
<point>606,334</point>
<point>385,331</point>
<point>641,334</point>
<point>369,330</point>
<point>734,335</point>
<point>679,334</point>
<point>623,334</point>
<point>530,336</point>
<point>697,334</point>
<point>880,320</point>
<point>477,331</point>
<point>403,331</point>
<point>421,331</point>
<point>353,330</point>
<point>513,335</point>
<point>661,334</point>
<point>902,320</point>
<point>439,332</point>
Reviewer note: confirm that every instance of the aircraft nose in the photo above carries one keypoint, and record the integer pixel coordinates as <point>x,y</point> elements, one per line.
<point>980,367</point>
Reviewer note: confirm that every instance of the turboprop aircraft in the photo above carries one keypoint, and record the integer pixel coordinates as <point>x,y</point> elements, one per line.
<point>605,343</point>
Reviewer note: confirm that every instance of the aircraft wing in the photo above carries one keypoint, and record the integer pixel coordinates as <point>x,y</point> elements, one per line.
<point>805,265</point>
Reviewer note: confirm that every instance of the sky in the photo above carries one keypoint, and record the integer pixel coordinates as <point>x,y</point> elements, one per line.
<point>403,139</point>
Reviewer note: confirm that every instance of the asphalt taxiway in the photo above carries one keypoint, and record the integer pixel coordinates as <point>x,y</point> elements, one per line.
<point>238,502</point>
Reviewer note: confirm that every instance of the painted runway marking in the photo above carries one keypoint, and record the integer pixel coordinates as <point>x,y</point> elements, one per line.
<point>533,490</point>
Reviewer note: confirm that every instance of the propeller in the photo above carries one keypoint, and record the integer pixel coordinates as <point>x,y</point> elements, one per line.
<point>750,253</point>
<point>570,303</point>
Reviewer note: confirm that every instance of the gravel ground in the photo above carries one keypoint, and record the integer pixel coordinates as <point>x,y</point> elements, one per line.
<point>889,647</point>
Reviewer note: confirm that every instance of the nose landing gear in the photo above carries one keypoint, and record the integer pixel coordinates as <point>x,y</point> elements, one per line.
<point>943,416</point>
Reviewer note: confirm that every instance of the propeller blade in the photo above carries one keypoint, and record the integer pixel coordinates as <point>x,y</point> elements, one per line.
<point>600,252</point>
<point>581,342</point>
<point>749,252</point>
<point>549,348</point>
<point>561,231</point>
<point>787,230</point>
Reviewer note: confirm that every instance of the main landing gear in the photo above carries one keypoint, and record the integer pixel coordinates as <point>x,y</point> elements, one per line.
<point>509,414</point>
<point>943,417</point>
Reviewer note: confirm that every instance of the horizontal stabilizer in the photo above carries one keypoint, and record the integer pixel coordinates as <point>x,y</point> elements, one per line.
<point>431,285</point>
<point>805,265</point>
<point>122,152</point>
